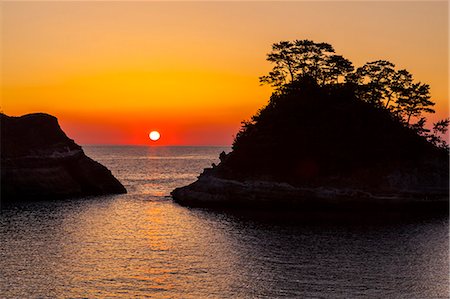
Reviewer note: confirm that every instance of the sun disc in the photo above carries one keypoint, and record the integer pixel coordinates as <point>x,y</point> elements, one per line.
<point>154,135</point>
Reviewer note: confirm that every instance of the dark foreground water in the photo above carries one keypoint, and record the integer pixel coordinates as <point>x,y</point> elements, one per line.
<point>142,245</point>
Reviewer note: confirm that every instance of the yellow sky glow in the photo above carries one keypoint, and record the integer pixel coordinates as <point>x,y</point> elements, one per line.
<point>113,71</point>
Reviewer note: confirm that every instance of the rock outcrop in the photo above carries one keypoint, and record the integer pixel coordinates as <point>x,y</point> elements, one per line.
<point>320,146</point>
<point>38,161</point>
<point>213,192</point>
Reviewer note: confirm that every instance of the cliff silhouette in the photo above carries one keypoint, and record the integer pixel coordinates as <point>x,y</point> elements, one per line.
<point>321,145</point>
<point>38,161</point>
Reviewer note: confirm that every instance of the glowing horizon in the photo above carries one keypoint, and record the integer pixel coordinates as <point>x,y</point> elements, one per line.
<point>112,72</point>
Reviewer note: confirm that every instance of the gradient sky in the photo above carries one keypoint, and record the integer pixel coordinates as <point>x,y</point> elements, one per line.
<point>114,71</point>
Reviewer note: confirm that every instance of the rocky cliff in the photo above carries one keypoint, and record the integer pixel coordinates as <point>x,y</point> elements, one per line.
<point>38,161</point>
<point>320,146</point>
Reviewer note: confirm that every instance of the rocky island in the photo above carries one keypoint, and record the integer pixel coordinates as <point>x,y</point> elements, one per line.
<point>320,143</point>
<point>38,161</point>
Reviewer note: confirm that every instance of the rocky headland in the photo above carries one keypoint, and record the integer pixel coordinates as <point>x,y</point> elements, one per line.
<point>322,147</point>
<point>38,161</point>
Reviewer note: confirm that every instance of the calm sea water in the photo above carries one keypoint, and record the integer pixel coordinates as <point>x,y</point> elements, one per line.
<point>141,244</point>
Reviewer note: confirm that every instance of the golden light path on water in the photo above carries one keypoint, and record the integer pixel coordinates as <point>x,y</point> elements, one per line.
<point>143,245</point>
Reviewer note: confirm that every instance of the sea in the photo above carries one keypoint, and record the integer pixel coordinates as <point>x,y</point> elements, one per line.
<point>143,245</point>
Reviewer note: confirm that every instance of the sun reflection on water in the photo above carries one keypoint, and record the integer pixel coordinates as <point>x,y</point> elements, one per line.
<point>142,245</point>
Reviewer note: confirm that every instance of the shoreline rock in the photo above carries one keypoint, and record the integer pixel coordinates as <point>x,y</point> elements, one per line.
<point>321,147</point>
<point>38,161</point>
<point>213,192</point>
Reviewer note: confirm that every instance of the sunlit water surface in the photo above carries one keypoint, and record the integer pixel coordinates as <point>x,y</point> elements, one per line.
<point>141,244</point>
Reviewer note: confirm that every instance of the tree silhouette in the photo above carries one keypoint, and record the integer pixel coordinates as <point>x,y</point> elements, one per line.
<point>304,57</point>
<point>381,85</point>
<point>283,56</point>
<point>440,128</point>
<point>378,82</point>
<point>420,128</point>
<point>401,80</point>
<point>415,100</point>
<point>375,80</point>
<point>336,66</point>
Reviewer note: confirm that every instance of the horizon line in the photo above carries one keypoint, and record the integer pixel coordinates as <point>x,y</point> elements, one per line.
<point>155,145</point>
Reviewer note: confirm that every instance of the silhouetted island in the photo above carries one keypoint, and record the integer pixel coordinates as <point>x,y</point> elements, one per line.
<point>38,161</point>
<point>321,146</point>
<point>321,143</point>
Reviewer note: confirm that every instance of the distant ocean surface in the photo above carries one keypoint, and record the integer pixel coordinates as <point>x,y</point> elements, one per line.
<point>142,245</point>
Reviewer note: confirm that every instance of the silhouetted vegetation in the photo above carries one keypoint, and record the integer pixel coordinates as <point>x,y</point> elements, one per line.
<point>327,122</point>
<point>304,57</point>
<point>334,135</point>
<point>310,134</point>
<point>378,83</point>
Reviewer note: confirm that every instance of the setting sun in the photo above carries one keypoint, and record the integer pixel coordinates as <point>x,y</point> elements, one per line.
<point>154,135</point>
<point>196,149</point>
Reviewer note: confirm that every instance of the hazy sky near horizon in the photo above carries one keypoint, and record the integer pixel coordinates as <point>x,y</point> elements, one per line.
<point>113,71</point>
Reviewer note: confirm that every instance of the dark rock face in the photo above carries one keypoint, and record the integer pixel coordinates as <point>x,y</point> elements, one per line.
<point>213,192</point>
<point>319,146</point>
<point>38,161</point>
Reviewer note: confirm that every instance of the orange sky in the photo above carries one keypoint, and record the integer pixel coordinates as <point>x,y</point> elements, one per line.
<point>114,71</point>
